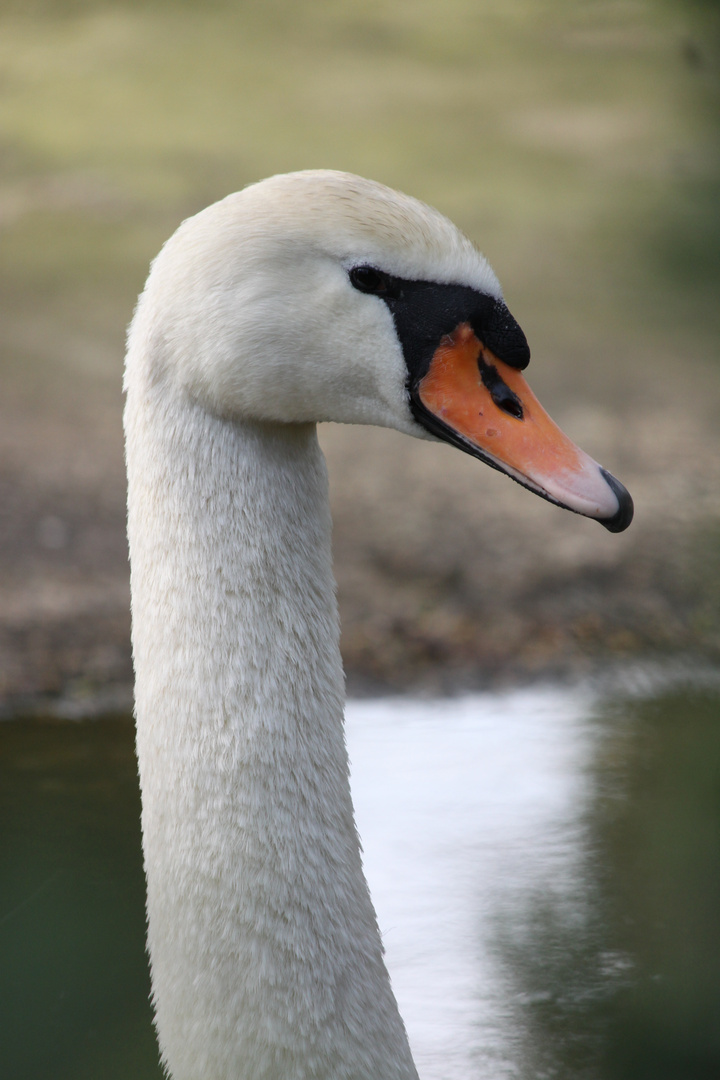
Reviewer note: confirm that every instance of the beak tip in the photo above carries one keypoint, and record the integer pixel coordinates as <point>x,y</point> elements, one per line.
<point>619,521</point>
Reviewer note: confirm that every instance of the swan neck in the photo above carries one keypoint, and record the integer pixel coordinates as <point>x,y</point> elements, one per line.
<point>265,953</point>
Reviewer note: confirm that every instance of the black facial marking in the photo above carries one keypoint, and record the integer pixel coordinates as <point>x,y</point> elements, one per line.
<point>425,311</point>
<point>503,337</point>
<point>505,398</point>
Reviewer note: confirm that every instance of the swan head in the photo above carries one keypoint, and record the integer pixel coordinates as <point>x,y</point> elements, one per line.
<point>320,295</point>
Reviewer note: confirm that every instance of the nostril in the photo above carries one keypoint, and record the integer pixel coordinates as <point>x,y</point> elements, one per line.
<point>500,392</point>
<point>510,404</point>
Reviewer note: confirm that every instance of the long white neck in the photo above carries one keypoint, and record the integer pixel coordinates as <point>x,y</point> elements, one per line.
<point>266,958</point>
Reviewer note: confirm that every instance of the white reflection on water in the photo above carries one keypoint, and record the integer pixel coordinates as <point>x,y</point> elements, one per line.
<point>463,806</point>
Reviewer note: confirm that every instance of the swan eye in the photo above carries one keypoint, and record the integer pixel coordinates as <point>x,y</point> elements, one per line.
<point>369,280</point>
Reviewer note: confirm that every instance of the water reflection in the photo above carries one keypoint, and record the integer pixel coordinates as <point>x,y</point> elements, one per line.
<point>629,985</point>
<point>546,869</point>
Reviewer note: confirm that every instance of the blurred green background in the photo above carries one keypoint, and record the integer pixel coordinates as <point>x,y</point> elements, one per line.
<point>576,142</point>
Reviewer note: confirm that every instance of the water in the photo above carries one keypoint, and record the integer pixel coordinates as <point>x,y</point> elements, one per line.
<point>463,806</point>
<point>545,865</point>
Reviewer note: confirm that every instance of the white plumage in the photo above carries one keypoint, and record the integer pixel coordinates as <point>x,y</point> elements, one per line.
<point>266,958</point>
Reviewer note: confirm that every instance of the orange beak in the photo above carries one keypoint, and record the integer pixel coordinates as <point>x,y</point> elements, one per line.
<point>486,408</point>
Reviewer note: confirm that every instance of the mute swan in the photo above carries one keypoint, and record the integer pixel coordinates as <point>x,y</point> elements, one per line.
<point>307,297</point>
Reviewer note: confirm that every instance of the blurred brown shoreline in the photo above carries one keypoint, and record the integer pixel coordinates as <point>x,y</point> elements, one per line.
<point>450,577</point>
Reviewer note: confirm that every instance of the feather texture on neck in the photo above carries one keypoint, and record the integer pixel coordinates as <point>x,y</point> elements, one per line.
<point>265,952</point>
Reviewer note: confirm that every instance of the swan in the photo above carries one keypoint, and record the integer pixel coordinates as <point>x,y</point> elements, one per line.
<point>307,297</point>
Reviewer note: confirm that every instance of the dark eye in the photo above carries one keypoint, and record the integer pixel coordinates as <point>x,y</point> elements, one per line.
<point>369,280</point>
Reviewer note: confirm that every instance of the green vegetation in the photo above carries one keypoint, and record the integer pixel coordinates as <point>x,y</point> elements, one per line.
<point>577,143</point>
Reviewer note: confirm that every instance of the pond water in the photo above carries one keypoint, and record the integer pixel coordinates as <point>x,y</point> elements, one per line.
<point>545,865</point>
